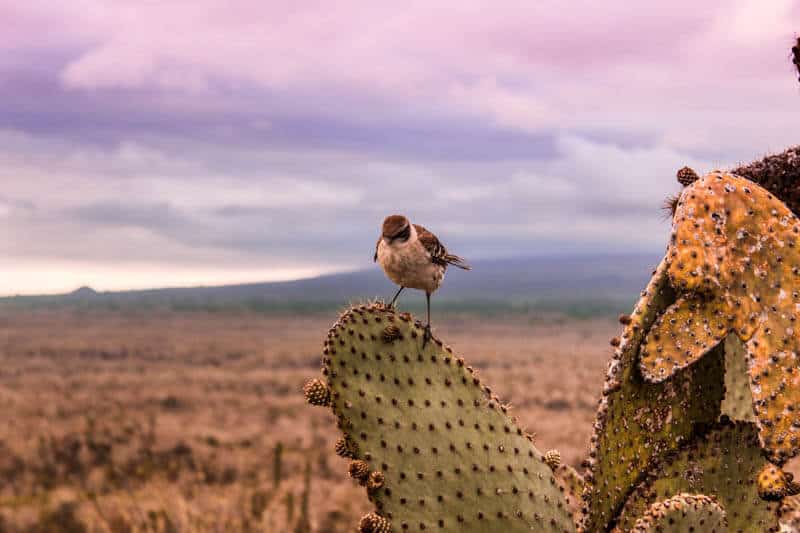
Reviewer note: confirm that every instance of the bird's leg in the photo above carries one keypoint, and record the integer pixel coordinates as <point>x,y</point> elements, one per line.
<point>391,304</point>
<point>427,336</point>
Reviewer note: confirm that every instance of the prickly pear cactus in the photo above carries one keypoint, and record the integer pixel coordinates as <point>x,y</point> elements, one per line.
<point>444,451</point>
<point>726,463</point>
<point>571,484</point>
<point>638,422</point>
<point>435,449</point>
<point>778,173</point>
<point>734,257</point>
<point>738,401</point>
<point>683,513</point>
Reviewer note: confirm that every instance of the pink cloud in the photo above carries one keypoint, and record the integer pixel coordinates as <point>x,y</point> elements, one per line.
<point>382,45</point>
<point>528,66</point>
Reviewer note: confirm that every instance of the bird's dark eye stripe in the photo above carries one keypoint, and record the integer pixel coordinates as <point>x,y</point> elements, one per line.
<point>405,234</point>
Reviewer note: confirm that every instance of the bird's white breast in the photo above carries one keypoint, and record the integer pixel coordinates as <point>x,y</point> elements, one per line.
<point>409,264</point>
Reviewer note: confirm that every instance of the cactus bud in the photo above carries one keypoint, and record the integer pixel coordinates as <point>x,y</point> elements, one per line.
<point>553,459</point>
<point>359,470</point>
<point>345,447</point>
<point>375,480</point>
<point>686,176</point>
<point>374,523</point>
<point>317,393</point>
<point>390,333</point>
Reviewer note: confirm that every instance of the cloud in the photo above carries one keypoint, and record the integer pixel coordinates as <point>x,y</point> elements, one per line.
<point>136,204</point>
<point>272,137</point>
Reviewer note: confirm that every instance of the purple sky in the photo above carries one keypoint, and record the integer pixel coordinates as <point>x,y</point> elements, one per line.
<point>197,142</point>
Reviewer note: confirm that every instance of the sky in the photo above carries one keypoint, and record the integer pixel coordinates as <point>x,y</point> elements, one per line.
<point>173,143</point>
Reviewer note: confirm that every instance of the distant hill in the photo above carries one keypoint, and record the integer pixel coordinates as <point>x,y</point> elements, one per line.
<point>577,284</point>
<point>82,292</point>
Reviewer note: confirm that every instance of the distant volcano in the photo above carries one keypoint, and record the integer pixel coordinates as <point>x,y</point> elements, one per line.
<point>83,292</point>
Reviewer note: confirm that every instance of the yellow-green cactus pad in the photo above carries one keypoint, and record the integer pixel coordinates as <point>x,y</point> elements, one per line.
<point>688,329</point>
<point>571,484</point>
<point>724,463</point>
<point>637,421</point>
<point>738,402</point>
<point>449,456</point>
<point>684,513</point>
<point>734,254</point>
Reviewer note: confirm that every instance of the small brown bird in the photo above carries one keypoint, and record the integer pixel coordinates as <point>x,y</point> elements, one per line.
<point>413,257</point>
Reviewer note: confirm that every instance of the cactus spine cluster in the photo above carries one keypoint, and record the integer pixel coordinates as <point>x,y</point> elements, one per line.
<point>697,415</point>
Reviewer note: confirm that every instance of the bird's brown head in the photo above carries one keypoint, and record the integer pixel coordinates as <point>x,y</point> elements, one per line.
<point>396,227</point>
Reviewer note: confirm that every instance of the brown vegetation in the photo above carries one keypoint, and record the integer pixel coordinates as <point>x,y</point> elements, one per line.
<point>156,421</point>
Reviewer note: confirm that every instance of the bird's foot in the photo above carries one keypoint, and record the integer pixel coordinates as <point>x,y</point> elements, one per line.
<point>426,336</point>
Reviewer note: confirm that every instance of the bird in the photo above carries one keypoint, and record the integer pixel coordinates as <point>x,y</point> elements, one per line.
<point>413,257</point>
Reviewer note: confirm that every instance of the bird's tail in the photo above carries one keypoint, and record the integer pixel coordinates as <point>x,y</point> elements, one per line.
<point>457,261</point>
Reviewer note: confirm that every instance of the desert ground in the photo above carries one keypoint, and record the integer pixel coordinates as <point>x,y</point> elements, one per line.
<point>143,420</point>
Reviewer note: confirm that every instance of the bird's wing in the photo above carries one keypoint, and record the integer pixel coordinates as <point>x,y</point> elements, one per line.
<point>437,250</point>
<point>378,243</point>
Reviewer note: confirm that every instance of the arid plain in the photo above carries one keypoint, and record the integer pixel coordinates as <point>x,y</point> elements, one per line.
<point>151,420</point>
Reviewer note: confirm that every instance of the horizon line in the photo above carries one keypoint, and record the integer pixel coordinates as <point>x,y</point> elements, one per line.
<point>238,283</point>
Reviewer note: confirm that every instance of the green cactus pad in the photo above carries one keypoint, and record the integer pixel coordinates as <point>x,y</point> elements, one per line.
<point>738,402</point>
<point>684,513</point>
<point>571,484</point>
<point>725,463</point>
<point>450,456</point>
<point>734,246</point>
<point>638,421</point>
